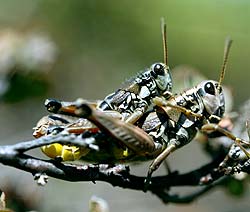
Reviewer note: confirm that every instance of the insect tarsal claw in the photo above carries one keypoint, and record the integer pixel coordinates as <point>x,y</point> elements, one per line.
<point>147,182</point>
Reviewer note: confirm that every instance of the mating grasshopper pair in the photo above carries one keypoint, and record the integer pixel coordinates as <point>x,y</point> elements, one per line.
<point>124,129</point>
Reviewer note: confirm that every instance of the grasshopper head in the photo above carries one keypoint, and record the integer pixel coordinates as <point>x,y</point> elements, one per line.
<point>212,96</point>
<point>161,74</point>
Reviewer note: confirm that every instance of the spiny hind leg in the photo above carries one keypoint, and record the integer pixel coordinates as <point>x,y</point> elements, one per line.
<point>132,137</point>
<point>157,162</point>
<point>181,138</point>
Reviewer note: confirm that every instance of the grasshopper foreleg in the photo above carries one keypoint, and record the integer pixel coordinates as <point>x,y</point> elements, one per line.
<point>238,141</point>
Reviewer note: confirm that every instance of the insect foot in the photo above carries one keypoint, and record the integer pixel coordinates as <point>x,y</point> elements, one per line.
<point>157,162</point>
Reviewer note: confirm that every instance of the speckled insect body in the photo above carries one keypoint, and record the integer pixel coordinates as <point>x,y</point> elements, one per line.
<point>170,125</point>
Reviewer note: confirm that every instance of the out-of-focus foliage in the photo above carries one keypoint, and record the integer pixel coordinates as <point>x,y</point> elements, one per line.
<point>18,200</point>
<point>236,187</point>
<point>22,86</point>
<point>25,59</point>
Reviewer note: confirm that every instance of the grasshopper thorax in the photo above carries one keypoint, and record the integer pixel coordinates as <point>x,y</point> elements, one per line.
<point>212,96</point>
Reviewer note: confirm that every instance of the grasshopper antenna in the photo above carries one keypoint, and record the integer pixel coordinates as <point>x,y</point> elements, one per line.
<point>164,40</point>
<point>228,44</point>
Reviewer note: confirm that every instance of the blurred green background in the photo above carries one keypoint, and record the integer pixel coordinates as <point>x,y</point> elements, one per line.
<point>102,43</point>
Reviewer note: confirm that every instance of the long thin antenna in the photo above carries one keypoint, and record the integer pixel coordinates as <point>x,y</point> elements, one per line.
<point>228,44</point>
<point>164,40</point>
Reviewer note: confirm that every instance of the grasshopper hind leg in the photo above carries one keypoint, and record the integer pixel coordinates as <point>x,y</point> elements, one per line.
<point>157,162</point>
<point>119,131</point>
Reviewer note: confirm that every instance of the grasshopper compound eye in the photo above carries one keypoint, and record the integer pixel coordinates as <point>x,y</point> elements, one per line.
<point>158,69</point>
<point>209,88</point>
